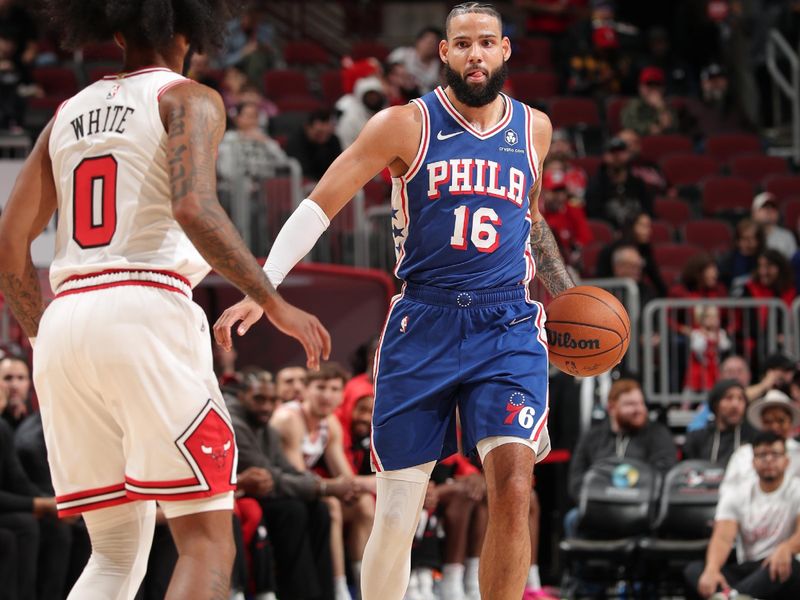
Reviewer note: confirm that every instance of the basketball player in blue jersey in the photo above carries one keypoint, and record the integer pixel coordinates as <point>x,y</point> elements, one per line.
<point>463,333</point>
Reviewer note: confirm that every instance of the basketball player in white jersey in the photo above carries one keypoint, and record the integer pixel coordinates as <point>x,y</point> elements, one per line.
<point>131,408</point>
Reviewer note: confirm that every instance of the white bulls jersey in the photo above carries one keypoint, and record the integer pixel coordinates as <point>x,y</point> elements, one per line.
<point>108,147</point>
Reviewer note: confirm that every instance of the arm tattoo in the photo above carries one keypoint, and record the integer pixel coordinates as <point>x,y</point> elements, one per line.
<point>192,167</point>
<point>24,296</point>
<point>550,268</point>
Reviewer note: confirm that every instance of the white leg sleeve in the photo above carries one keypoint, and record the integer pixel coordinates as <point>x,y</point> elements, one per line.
<point>386,566</point>
<point>121,537</point>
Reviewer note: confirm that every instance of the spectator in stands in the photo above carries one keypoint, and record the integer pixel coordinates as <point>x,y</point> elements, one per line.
<point>290,384</point>
<point>399,84</point>
<point>247,151</point>
<point>739,263</point>
<point>356,109</point>
<point>778,373</point>
<point>249,45</point>
<point>699,279</point>
<point>297,521</point>
<point>679,80</point>
<point>315,146</point>
<point>728,430</point>
<point>627,432</point>
<point>17,24</point>
<point>636,231</point>
<point>717,110</point>
<point>30,517</point>
<point>708,342</point>
<point>560,156</point>
<point>421,60</point>
<point>645,170</point>
<point>16,376</point>
<point>765,212</point>
<point>627,261</point>
<point>14,83</point>
<point>566,217</point>
<point>763,519</point>
<point>312,439</point>
<point>615,194</point>
<point>649,114</point>
<point>774,412</point>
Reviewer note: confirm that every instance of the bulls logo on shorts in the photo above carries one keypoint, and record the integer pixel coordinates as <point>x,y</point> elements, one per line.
<point>210,448</point>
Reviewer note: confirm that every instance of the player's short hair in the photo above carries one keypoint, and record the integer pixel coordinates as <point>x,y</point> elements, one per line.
<point>328,371</point>
<point>145,23</point>
<point>622,386</point>
<point>466,8</point>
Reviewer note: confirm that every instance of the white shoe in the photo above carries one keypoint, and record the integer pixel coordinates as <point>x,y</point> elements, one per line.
<point>412,592</point>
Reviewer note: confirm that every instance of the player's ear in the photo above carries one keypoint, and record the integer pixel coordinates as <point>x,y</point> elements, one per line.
<point>443,48</point>
<point>506,45</point>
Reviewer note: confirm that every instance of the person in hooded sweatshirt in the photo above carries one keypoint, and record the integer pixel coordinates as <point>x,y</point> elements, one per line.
<point>356,109</point>
<point>727,432</point>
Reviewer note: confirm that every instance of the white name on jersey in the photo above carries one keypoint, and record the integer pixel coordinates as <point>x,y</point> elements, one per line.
<point>475,176</point>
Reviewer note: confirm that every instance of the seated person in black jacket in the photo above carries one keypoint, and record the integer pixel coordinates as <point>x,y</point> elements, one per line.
<point>627,432</point>
<point>729,429</point>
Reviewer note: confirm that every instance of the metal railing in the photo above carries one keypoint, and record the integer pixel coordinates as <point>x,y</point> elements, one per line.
<point>14,145</point>
<point>778,49</point>
<point>756,328</point>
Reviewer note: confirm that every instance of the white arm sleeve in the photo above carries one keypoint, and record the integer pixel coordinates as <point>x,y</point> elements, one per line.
<point>295,239</point>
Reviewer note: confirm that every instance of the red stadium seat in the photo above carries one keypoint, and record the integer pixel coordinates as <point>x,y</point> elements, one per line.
<point>533,87</point>
<point>791,213</point>
<point>725,145</point>
<point>279,83</point>
<point>57,82</point>
<point>97,73</point>
<point>755,167</point>
<point>331,82</point>
<point>655,147</point>
<point>369,49</point>
<point>569,112</point>
<point>688,169</point>
<point>305,53</point>
<point>782,186</point>
<point>727,195</point>
<point>662,232</point>
<point>531,52</point>
<point>300,102</point>
<point>590,254</point>
<point>669,275</point>
<point>614,107</point>
<point>601,232</point>
<point>590,164</point>
<point>674,256</point>
<point>102,52</point>
<point>713,235</point>
<point>674,211</point>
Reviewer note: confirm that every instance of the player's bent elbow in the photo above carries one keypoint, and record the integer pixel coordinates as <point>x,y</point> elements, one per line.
<point>187,209</point>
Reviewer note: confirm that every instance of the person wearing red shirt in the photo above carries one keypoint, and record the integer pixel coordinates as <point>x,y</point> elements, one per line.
<point>566,218</point>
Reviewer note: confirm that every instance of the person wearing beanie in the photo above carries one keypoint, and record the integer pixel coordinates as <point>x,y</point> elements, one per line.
<point>727,432</point>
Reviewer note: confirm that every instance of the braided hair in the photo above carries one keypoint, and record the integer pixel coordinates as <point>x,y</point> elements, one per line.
<point>146,23</point>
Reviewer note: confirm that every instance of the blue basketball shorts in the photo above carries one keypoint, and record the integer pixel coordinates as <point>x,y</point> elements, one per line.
<point>482,351</point>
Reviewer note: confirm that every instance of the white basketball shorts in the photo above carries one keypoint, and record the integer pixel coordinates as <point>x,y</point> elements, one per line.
<point>130,404</point>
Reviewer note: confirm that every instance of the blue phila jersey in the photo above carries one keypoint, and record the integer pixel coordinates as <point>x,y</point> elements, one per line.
<point>461,215</point>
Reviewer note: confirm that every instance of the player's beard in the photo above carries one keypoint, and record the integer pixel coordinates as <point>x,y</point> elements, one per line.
<point>476,95</point>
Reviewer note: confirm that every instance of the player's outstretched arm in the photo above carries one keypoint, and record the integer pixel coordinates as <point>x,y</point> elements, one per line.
<point>194,118</point>
<point>550,267</point>
<point>390,139</point>
<point>30,207</point>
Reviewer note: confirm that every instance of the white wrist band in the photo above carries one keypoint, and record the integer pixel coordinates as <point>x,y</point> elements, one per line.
<point>295,239</point>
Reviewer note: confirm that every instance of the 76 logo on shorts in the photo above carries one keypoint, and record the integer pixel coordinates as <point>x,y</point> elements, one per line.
<point>516,409</point>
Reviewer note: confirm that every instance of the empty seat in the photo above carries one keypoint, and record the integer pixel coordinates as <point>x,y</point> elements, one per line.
<point>302,102</point>
<point>601,232</point>
<point>279,83</point>
<point>532,52</point>
<point>688,169</point>
<point>662,232</point>
<point>533,87</point>
<point>727,196</point>
<point>331,82</point>
<point>713,235</point>
<point>369,49</point>
<point>58,82</point>
<point>590,255</point>
<point>305,53</point>
<point>655,147</point>
<point>102,52</point>
<point>674,255</point>
<point>614,107</point>
<point>590,164</point>
<point>725,145</point>
<point>97,73</point>
<point>673,210</point>
<point>791,213</point>
<point>782,186</point>
<point>571,112</point>
<point>756,167</point>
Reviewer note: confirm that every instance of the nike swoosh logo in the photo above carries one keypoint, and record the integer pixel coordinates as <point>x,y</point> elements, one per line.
<point>518,321</point>
<point>446,136</point>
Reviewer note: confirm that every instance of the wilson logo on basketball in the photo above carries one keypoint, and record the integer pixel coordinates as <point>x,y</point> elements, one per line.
<point>565,340</point>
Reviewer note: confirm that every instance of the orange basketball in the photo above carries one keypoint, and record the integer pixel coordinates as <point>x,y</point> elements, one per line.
<point>588,331</point>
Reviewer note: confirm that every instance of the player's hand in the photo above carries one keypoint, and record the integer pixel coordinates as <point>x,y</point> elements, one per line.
<point>709,582</point>
<point>43,507</point>
<point>255,481</point>
<point>305,328</point>
<point>779,564</point>
<point>247,311</point>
